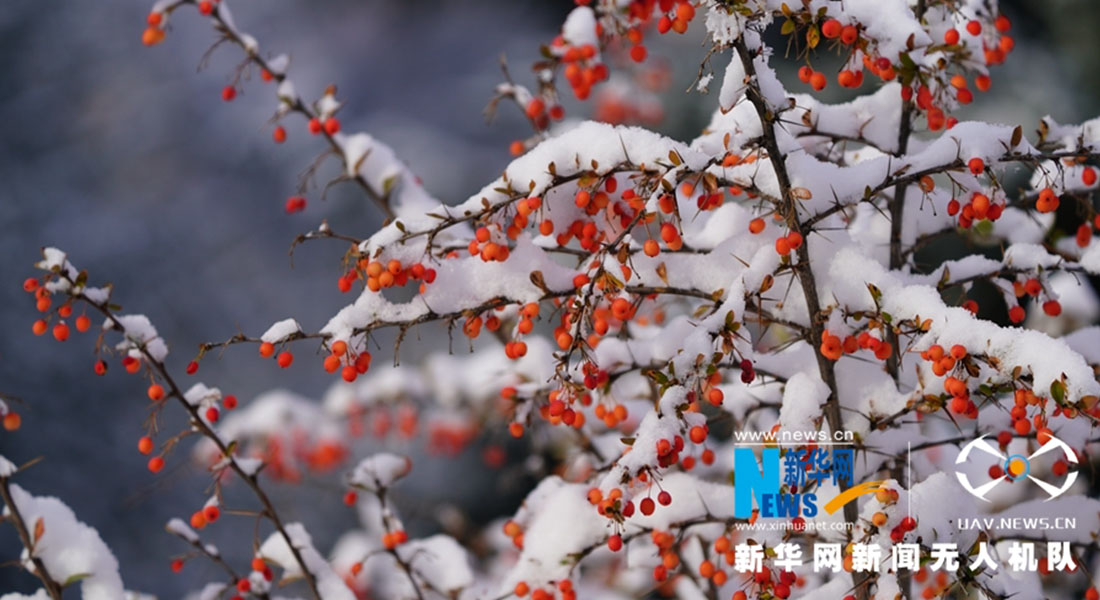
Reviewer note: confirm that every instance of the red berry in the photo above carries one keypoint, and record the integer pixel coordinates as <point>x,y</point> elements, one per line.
<point>350,498</point>
<point>192,367</point>
<point>212,414</point>
<point>229,93</point>
<point>156,464</point>
<point>1088,176</point>
<point>295,204</point>
<point>664,498</point>
<point>1016,314</point>
<point>976,165</point>
<point>615,543</point>
<point>285,359</point>
<point>145,444</point>
<point>279,135</point>
<point>332,125</point>
<point>230,402</point>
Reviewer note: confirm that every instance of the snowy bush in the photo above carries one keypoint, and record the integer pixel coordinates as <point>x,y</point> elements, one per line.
<point>615,295</point>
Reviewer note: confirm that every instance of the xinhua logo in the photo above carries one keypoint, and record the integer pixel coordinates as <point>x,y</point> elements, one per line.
<point>802,471</point>
<point>1015,467</point>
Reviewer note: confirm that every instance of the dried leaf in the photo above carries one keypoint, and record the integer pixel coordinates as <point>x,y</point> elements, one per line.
<point>1017,136</point>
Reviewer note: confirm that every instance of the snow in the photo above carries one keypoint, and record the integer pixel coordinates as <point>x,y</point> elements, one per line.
<point>440,561</point>
<point>178,528</point>
<point>281,331</point>
<point>67,547</point>
<point>275,549</point>
<point>139,332</point>
<point>380,471</point>
<point>733,84</point>
<point>579,28</point>
<point>7,468</point>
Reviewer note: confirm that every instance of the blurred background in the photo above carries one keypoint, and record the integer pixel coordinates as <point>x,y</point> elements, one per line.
<point>128,159</point>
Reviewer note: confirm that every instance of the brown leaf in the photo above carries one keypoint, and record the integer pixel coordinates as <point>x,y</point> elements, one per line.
<point>538,281</point>
<point>39,529</point>
<point>1017,136</point>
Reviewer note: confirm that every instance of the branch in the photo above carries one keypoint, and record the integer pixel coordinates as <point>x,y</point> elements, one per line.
<point>198,423</point>
<point>231,34</point>
<point>789,210</point>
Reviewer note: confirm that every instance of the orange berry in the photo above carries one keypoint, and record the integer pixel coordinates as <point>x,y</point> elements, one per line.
<point>951,37</point>
<point>331,363</point>
<point>698,434</point>
<point>535,108</point>
<point>156,464</point>
<point>279,134</point>
<point>61,332</point>
<point>145,444</point>
<point>756,225</point>
<point>152,35</point>
<point>40,326</point>
<point>156,392</point>
<point>516,429</point>
<point>267,349</point>
<point>818,81</point>
<point>12,421</point>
